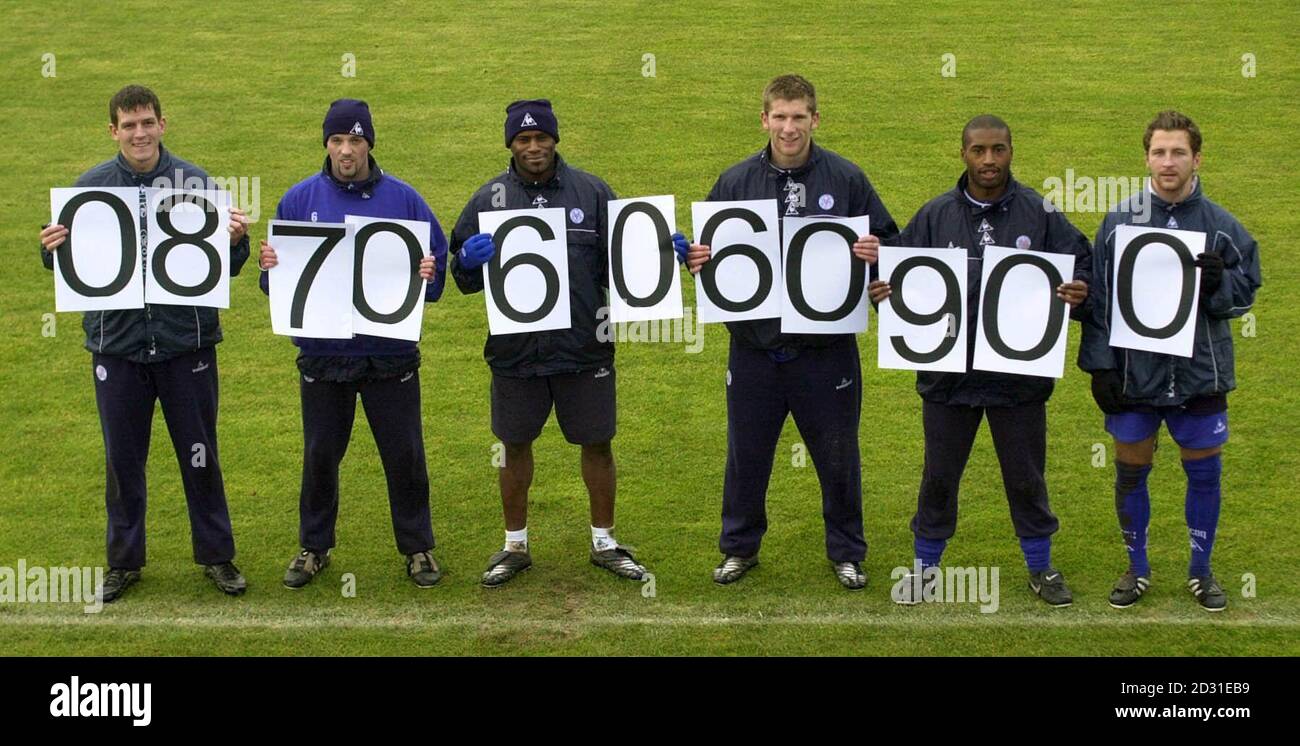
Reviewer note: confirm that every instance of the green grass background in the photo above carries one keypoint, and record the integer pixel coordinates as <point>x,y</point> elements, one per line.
<point>244,87</point>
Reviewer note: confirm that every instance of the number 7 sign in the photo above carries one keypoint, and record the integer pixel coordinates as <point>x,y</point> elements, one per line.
<point>311,286</point>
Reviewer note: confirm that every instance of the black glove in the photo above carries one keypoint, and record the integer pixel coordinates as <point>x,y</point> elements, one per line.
<point>1211,272</point>
<point>1108,391</point>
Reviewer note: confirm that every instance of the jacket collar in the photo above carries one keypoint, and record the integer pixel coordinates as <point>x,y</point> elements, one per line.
<point>557,179</point>
<point>164,164</point>
<point>965,198</point>
<point>1160,202</point>
<point>366,188</point>
<point>774,171</point>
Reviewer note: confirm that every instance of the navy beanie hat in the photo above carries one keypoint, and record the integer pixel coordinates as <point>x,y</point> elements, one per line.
<point>348,116</point>
<point>531,114</point>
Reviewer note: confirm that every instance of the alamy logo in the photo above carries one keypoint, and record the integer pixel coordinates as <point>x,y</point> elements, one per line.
<point>49,585</point>
<point>528,120</point>
<point>75,699</point>
<point>357,130</point>
<point>921,584</point>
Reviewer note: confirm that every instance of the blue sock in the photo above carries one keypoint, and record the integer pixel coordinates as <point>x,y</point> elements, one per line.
<point>1202,509</point>
<point>929,551</point>
<point>1038,552</point>
<point>1133,505</point>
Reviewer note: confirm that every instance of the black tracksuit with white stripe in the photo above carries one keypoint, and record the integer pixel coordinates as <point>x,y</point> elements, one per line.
<point>815,378</point>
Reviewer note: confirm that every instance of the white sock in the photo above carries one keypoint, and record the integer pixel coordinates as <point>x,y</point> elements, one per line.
<point>517,541</point>
<point>602,538</point>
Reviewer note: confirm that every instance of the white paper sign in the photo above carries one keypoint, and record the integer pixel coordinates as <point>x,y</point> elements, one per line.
<point>98,267</point>
<point>311,286</point>
<point>1155,289</point>
<point>739,282</point>
<point>923,321</point>
<point>388,292</point>
<point>527,280</point>
<point>1022,325</point>
<point>188,253</point>
<point>644,284</point>
<point>823,287</point>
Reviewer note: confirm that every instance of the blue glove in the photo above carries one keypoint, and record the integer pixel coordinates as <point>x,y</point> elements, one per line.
<point>681,246</point>
<point>477,251</point>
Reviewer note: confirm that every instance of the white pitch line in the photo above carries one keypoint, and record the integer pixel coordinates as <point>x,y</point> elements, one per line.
<point>991,622</point>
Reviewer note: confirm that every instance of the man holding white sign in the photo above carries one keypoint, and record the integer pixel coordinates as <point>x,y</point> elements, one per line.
<point>1138,379</point>
<point>987,208</point>
<point>370,350</point>
<point>771,375</point>
<point>155,353</point>
<point>535,237</point>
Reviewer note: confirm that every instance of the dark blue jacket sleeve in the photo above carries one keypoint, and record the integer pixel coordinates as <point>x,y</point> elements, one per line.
<point>264,281</point>
<point>1064,238</point>
<point>239,255</point>
<point>1095,352</point>
<point>437,247</point>
<point>1241,275</point>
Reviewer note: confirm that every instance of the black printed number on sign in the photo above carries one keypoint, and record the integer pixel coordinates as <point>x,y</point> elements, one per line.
<point>951,308</point>
<point>664,244</point>
<point>329,238</point>
<point>497,271</point>
<point>708,275</point>
<point>128,242</point>
<point>794,273</point>
<point>176,238</point>
<point>413,286</point>
<point>993,293</point>
<point>1124,284</point>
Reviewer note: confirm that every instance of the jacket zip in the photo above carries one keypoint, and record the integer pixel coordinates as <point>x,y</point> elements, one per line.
<point>144,257</point>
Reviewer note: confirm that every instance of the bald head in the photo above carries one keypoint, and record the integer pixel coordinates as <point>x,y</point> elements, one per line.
<point>984,122</point>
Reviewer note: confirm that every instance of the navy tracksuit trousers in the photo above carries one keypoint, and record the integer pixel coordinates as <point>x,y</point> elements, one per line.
<point>186,386</point>
<point>822,388</point>
<point>393,409</point>
<point>1020,439</point>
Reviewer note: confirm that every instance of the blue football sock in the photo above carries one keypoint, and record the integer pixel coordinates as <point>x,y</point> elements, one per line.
<point>1038,552</point>
<point>1133,506</point>
<point>1202,510</point>
<point>929,551</point>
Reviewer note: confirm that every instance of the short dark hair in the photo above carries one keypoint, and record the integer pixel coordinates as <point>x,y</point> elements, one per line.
<point>789,88</point>
<point>984,122</point>
<point>131,98</point>
<point>1172,121</point>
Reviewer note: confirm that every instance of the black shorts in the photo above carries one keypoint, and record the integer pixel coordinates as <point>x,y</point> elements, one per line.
<point>584,406</point>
